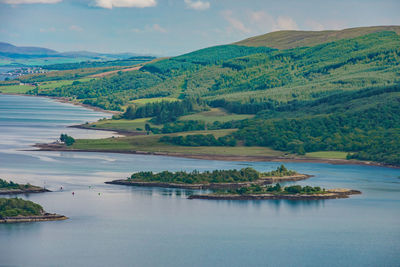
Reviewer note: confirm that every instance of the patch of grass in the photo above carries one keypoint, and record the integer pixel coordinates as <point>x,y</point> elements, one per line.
<point>215,114</point>
<point>121,125</point>
<point>15,89</point>
<point>153,100</point>
<point>150,143</point>
<point>49,85</point>
<point>327,154</point>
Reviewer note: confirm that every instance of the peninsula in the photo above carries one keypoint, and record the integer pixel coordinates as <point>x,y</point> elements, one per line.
<point>11,188</point>
<point>215,180</point>
<point>13,210</point>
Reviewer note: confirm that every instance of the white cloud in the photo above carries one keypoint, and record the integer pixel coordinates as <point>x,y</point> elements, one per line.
<point>125,3</point>
<point>197,5</point>
<point>257,22</point>
<point>285,23</point>
<point>76,28</point>
<point>18,2</point>
<point>235,23</point>
<point>158,28</point>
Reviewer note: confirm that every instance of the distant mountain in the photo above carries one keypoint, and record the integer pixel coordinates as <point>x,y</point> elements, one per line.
<point>28,50</point>
<point>11,55</point>
<point>292,39</point>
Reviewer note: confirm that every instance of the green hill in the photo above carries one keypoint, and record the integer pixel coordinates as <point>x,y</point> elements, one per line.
<point>341,95</point>
<point>292,39</point>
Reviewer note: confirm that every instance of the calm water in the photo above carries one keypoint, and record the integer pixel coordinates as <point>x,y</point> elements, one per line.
<point>126,226</point>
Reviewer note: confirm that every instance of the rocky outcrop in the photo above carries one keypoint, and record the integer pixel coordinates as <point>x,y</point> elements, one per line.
<point>39,218</point>
<point>31,189</point>
<point>330,194</point>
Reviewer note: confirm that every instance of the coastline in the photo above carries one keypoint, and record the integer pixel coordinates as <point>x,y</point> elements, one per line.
<point>119,132</point>
<point>34,189</point>
<point>40,218</point>
<point>52,147</point>
<point>66,100</point>
<point>331,194</point>
<point>212,186</point>
<point>48,147</point>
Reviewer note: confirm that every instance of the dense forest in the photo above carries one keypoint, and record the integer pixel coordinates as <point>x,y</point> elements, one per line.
<point>10,207</point>
<point>196,177</point>
<point>101,63</point>
<point>278,189</point>
<point>11,185</point>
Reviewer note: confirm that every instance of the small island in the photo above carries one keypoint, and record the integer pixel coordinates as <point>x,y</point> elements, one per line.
<point>13,210</point>
<point>294,192</point>
<point>10,188</point>
<point>215,180</point>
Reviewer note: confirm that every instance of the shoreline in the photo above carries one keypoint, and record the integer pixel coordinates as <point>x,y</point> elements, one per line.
<point>119,132</point>
<point>34,189</point>
<point>212,186</point>
<point>331,194</point>
<point>39,218</point>
<point>68,101</point>
<point>51,147</point>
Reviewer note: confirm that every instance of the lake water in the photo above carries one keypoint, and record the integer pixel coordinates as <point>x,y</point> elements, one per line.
<point>127,226</point>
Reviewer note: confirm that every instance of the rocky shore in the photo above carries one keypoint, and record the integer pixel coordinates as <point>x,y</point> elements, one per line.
<point>330,194</point>
<point>39,218</point>
<point>212,186</point>
<point>31,189</point>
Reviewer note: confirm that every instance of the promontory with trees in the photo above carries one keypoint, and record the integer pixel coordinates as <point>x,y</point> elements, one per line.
<point>14,210</point>
<point>10,187</point>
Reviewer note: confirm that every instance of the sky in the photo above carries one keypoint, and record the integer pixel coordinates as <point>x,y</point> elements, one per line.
<point>173,27</point>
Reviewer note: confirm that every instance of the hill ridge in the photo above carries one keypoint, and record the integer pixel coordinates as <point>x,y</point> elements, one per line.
<point>292,38</point>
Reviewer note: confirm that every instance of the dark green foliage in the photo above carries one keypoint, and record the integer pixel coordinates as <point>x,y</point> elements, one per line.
<point>183,126</point>
<point>199,140</point>
<point>162,112</point>
<point>280,172</point>
<point>11,185</point>
<point>253,107</point>
<point>196,177</point>
<point>11,207</point>
<point>95,64</point>
<point>277,189</point>
<point>111,92</point>
<point>66,139</point>
<point>195,125</point>
<point>365,123</point>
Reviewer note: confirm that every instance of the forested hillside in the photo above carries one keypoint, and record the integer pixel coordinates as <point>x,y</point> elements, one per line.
<point>341,95</point>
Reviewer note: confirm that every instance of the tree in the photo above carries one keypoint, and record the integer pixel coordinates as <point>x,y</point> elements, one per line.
<point>66,139</point>
<point>147,128</point>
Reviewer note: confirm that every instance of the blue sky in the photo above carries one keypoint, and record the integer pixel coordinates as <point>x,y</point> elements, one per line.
<point>171,27</point>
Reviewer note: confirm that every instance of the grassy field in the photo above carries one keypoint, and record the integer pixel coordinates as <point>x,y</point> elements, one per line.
<point>215,114</point>
<point>327,154</point>
<point>15,89</point>
<point>153,100</point>
<point>49,85</point>
<point>121,125</point>
<point>150,143</point>
<point>291,39</point>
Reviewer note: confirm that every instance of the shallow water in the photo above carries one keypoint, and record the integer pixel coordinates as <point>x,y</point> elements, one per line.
<point>128,226</point>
